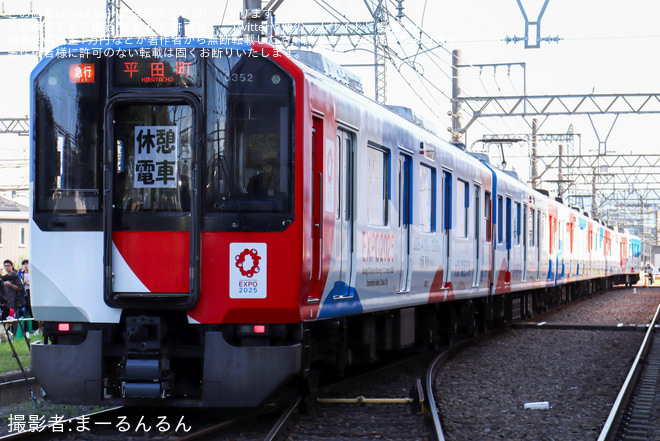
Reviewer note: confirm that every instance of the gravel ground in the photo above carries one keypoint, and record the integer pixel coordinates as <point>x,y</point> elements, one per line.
<point>622,305</point>
<point>483,391</point>
<point>334,422</point>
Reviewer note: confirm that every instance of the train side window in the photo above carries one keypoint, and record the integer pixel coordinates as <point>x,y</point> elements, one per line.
<point>427,186</point>
<point>377,186</point>
<point>488,213</point>
<point>500,219</point>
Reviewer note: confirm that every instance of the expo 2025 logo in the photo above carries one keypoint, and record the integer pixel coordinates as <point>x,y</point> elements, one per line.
<point>240,261</point>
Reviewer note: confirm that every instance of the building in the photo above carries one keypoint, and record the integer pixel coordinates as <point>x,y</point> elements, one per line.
<point>14,231</point>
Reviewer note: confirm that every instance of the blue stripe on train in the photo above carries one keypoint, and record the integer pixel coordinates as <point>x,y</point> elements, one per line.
<point>342,300</point>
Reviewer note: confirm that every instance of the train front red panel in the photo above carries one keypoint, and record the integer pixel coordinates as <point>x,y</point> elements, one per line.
<point>233,290</point>
<point>160,259</point>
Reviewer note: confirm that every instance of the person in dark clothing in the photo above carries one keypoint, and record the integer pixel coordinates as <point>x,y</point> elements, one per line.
<point>14,294</point>
<point>13,288</point>
<point>24,274</point>
<point>263,183</point>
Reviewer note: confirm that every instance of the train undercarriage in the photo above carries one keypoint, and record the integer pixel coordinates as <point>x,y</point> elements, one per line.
<point>161,359</point>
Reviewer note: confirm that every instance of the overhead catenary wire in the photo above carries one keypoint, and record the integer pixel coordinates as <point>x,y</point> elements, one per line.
<point>141,19</point>
<point>423,77</point>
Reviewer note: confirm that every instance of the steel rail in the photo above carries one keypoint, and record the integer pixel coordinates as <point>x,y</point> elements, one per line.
<point>429,392</point>
<point>442,358</point>
<point>281,423</point>
<point>610,427</point>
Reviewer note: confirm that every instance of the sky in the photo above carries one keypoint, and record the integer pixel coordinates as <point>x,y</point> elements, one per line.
<point>606,46</point>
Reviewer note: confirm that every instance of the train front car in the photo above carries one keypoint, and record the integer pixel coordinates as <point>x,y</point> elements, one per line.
<point>166,218</point>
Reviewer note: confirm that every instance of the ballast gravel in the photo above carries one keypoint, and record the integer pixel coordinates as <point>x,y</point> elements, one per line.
<point>576,374</point>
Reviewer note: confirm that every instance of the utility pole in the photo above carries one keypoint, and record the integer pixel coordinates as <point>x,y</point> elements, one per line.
<point>252,19</point>
<point>381,20</point>
<point>534,158</point>
<point>112,18</point>
<point>456,131</point>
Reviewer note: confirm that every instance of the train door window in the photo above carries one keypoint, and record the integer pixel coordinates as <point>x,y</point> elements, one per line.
<point>377,186</point>
<point>509,222</point>
<point>427,186</point>
<point>516,224</point>
<point>532,231</point>
<point>448,203</point>
<point>154,143</point>
<point>551,242</point>
<point>344,203</point>
<point>462,217</point>
<point>477,214</point>
<point>541,231</point>
<point>500,219</point>
<point>405,189</point>
<point>488,213</point>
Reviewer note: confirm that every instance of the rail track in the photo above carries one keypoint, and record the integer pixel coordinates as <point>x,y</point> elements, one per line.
<point>631,414</point>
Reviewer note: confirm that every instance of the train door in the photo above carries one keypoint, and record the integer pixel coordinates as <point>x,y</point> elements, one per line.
<point>344,207</point>
<point>151,224</point>
<point>561,246</point>
<point>539,244</point>
<point>405,162</point>
<point>507,276</point>
<point>476,278</point>
<point>525,233</point>
<point>446,228</point>
<point>317,210</point>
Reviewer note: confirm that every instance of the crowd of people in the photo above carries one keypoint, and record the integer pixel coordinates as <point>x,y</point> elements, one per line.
<point>15,291</point>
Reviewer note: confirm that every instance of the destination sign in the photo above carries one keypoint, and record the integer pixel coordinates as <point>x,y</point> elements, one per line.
<point>169,68</point>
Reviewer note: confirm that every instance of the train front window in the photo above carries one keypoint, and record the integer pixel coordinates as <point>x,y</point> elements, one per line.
<point>249,155</point>
<point>67,119</point>
<point>153,157</point>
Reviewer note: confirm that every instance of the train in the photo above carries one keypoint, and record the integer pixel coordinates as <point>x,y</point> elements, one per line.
<point>213,221</point>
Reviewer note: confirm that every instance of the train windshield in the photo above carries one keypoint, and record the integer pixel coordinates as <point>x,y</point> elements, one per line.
<point>249,154</point>
<point>67,127</point>
<point>227,117</point>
